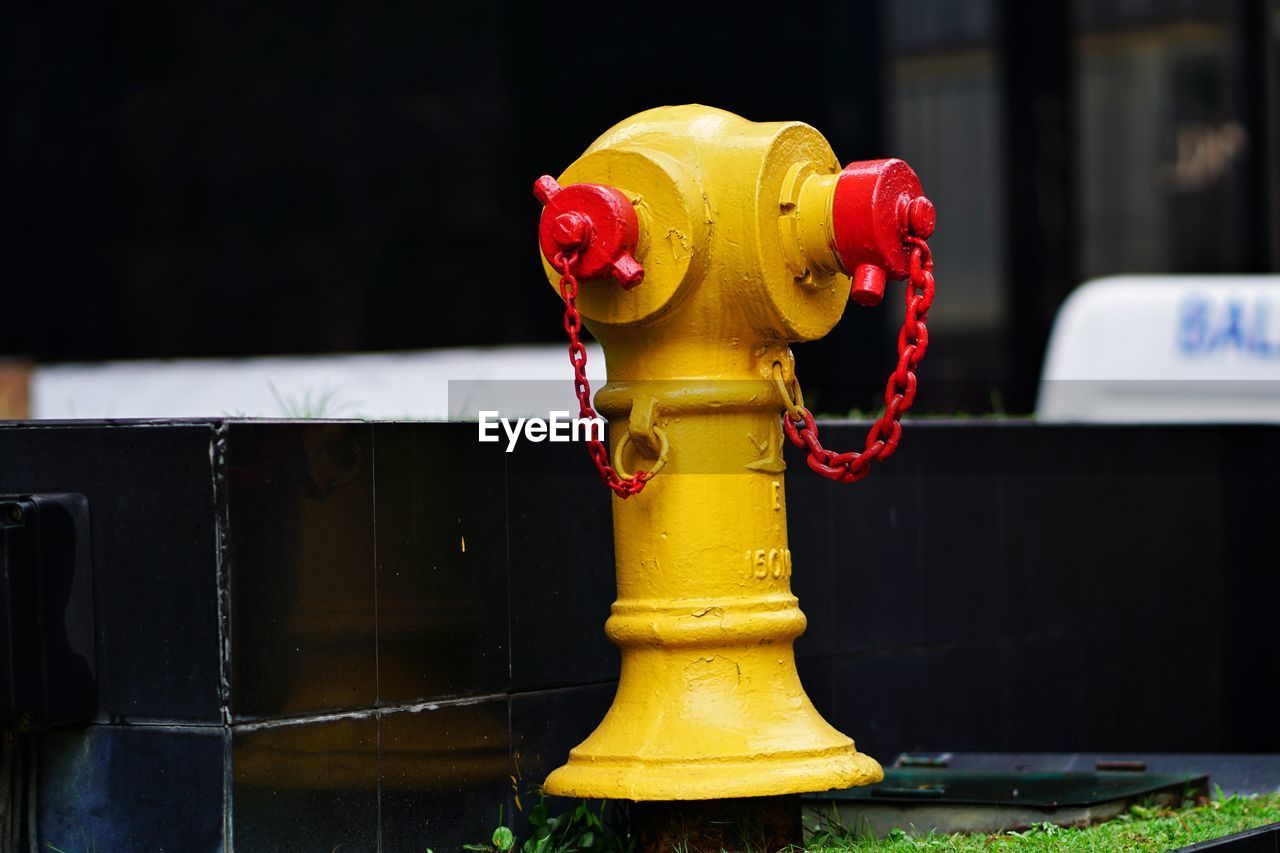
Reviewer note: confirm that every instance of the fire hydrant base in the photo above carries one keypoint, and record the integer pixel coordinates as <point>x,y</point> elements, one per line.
<point>757,776</point>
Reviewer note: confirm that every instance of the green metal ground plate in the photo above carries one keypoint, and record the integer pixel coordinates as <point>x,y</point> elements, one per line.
<point>923,799</point>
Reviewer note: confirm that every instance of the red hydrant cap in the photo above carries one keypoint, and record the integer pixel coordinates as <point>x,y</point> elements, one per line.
<point>595,221</point>
<point>877,204</point>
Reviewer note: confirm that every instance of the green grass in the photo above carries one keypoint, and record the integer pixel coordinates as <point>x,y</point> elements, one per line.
<point>321,405</point>
<point>1142,829</point>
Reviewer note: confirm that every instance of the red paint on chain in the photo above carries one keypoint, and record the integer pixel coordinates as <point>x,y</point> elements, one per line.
<point>899,392</point>
<point>624,487</point>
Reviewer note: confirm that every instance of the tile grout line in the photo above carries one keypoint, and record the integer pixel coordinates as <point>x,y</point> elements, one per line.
<point>377,739</point>
<point>536,691</point>
<point>414,706</point>
<point>512,769</point>
<point>377,640</point>
<point>222,583</point>
<point>506,540</point>
<point>366,713</point>
<point>127,723</point>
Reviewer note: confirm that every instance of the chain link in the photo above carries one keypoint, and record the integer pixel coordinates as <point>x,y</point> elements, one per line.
<point>899,391</point>
<point>624,487</point>
<point>798,423</point>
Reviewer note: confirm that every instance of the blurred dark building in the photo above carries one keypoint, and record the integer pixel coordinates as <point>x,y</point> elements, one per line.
<point>188,180</point>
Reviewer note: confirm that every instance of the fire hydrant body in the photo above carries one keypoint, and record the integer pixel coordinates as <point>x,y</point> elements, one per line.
<point>737,233</point>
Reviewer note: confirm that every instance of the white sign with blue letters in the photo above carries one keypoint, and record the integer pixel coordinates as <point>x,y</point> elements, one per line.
<point>1165,349</point>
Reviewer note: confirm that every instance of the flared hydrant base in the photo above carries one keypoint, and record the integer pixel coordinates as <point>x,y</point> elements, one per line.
<point>758,776</point>
<point>712,721</point>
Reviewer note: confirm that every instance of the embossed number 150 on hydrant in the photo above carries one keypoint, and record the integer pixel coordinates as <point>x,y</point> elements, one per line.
<point>697,246</point>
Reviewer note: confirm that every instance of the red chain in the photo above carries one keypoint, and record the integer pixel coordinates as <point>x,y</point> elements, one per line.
<point>625,487</point>
<point>899,391</point>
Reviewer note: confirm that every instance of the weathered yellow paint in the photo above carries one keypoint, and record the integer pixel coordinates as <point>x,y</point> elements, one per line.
<point>735,222</point>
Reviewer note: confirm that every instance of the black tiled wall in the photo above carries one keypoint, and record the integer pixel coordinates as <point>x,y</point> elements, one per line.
<point>300,552</point>
<point>151,510</point>
<point>113,787</point>
<point>441,547</point>
<point>444,774</point>
<point>306,786</point>
<point>1019,587</point>
<point>411,629</point>
<point>561,569</point>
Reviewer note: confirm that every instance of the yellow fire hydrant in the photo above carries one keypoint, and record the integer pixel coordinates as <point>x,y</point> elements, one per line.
<point>705,245</point>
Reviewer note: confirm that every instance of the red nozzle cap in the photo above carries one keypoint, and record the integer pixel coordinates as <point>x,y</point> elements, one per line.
<point>877,204</point>
<point>868,285</point>
<point>596,221</point>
